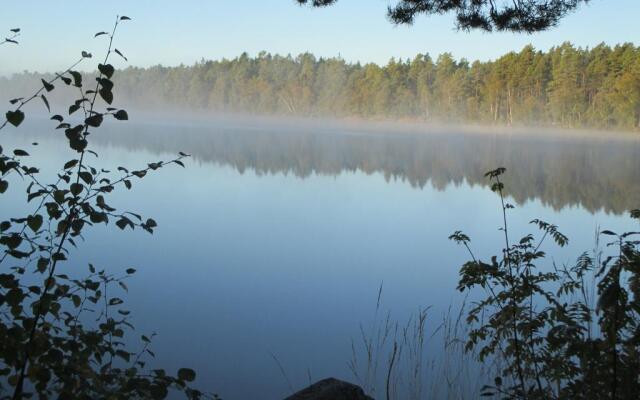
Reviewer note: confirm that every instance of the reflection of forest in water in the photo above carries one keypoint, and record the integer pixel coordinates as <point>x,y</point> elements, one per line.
<point>594,173</point>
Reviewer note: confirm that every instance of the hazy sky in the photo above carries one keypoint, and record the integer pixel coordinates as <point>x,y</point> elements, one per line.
<point>185,31</point>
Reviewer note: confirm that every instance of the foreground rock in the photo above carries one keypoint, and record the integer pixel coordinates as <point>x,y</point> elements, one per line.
<point>331,389</point>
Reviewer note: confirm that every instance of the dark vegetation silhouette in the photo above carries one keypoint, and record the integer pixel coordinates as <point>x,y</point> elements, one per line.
<point>566,86</point>
<point>488,15</point>
<point>560,332</point>
<point>64,334</point>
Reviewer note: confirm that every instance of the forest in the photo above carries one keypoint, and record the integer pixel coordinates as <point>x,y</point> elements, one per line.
<point>567,86</point>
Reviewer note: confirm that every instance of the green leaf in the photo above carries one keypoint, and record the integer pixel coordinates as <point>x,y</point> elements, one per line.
<point>75,132</point>
<point>123,354</point>
<point>18,254</point>
<point>76,188</point>
<point>124,18</point>
<point>42,265</point>
<point>158,391</point>
<point>186,374</point>
<point>73,108</point>
<point>78,144</point>
<point>106,95</point>
<point>35,222</point>
<point>122,223</point>
<point>35,194</point>
<point>3,186</point>
<point>100,33</point>
<point>77,78</point>
<point>121,115</point>
<point>12,241</point>
<point>130,271</point>
<point>105,83</point>
<point>58,256</point>
<point>15,118</point>
<point>19,152</point>
<point>120,54</point>
<point>4,225</point>
<point>70,164</point>
<point>46,102</point>
<point>49,87</point>
<point>98,217</point>
<point>94,120</point>
<point>77,225</point>
<point>106,70</point>
<point>86,177</point>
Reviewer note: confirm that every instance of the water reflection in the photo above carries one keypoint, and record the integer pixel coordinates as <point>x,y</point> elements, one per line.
<point>594,173</point>
<point>248,265</point>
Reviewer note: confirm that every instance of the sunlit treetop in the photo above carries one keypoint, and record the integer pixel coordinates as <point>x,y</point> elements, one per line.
<point>488,15</point>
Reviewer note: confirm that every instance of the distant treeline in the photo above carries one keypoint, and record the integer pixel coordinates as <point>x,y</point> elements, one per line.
<point>566,86</point>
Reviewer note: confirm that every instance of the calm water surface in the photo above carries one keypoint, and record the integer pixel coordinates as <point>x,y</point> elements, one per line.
<point>273,242</point>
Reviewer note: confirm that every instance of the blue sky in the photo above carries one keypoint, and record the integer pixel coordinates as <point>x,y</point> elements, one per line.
<point>174,32</point>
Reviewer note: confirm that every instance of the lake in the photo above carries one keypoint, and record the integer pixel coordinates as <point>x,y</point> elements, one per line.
<point>275,239</point>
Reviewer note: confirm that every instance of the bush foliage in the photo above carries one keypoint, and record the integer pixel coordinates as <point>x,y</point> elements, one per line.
<point>62,335</point>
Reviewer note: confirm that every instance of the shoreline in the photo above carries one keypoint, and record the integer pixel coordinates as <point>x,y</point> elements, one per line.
<point>365,125</point>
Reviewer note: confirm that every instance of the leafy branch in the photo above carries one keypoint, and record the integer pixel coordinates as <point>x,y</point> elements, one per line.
<point>43,339</point>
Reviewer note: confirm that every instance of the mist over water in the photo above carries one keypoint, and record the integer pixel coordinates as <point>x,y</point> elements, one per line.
<point>276,237</point>
<point>561,168</point>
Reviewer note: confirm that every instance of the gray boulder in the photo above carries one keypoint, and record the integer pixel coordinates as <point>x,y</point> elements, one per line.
<point>330,389</point>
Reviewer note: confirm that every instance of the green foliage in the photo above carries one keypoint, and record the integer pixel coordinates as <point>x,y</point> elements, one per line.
<point>566,86</point>
<point>517,16</point>
<point>62,335</point>
<point>15,118</point>
<point>543,325</point>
